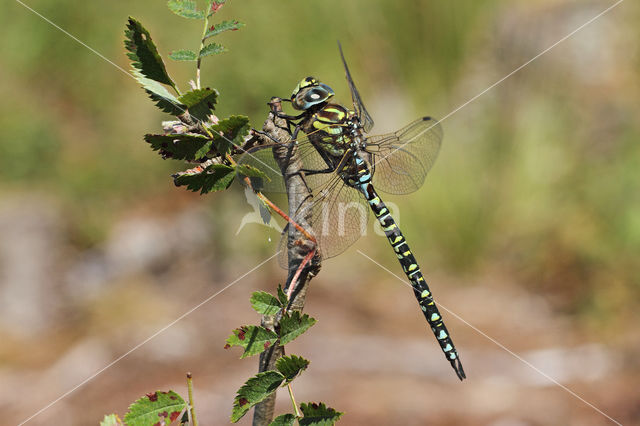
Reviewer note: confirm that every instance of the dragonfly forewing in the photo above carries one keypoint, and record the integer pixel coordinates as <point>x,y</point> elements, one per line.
<point>401,160</point>
<point>363,115</point>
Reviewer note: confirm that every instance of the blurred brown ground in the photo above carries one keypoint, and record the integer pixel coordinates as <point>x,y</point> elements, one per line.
<point>527,228</point>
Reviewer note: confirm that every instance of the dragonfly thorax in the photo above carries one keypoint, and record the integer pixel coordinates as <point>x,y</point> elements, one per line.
<point>333,129</point>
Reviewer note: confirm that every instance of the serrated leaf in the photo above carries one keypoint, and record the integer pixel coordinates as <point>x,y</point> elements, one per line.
<point>229,131</point>
<point>293,325</point>
<point>184,146</point>
<point>214,6</point>
<point>284,420</point>
<point>253,338</point>
<point>185,418</point>
<point>154,407</point>
<point>282,296</point>
<point>200,102</point>
<point>215,177</point>
<point>318,415</point>
<point>222,27</point>
<point>186,9</point>
<point>143,53</point>
<point>184,55</point>
<point>212,49</point>
<point>265,303</point>
<point>160,95</point>
<point>111,420</point>
<point>250,171</point>
<point>234,128</point>
<point>255,390</point>
<point>291,366</point>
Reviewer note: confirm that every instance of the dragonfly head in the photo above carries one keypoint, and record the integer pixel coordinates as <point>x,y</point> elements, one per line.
<point>310,92</point>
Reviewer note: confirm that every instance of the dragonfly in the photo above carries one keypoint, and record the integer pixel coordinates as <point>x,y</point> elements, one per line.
<point>344,168</point>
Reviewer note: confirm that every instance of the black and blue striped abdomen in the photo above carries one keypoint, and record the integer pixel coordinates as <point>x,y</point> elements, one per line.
<point>409,265</point>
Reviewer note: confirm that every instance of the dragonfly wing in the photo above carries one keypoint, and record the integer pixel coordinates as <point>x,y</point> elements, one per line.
<point>339,218</point>
<point>338,215</point>
<point>317,170</point>
<point>363,115</point>
<point>401,160</point>
<point>261,158</point>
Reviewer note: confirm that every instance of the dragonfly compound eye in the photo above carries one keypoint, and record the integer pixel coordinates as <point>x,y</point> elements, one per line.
<point>309,96</point>
<point>305,82</point>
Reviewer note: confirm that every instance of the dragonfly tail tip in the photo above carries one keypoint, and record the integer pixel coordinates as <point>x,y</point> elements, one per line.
<point>457,366</point>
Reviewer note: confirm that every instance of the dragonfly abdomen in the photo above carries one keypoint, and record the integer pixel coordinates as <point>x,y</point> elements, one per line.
<point>409,266</point>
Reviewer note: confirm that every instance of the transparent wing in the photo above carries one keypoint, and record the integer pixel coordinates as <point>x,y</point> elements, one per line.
<point>338,217</point>
<point>401,160</point>
<point>261,157</point>
<point>338,214</point>
<point>363,115</point>
<point>312,162</point>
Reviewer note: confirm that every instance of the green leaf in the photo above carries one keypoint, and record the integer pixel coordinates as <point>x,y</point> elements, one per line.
<point>283,420</point>
<point>265,303</point>
<point>184,146</point>
<point>282,296</point>
<point>255,390</point>
<point>229,131</point>
<point>160,95</point>
<point>186,9</point>
<point>200,102</point>
<point>318,415</point>
<point>234,128</point>
<point>222,27</point>
<point>212,49</point>
<point>183,55</point>
<point>214,6</point>
<point>111,420</point>
<point>254,339</point>
<point>143,53</point>
<point>292,326</point>
<point>291,366</point>
<point>250,171</point>
<point>212,178</point>
<point>154,407</point>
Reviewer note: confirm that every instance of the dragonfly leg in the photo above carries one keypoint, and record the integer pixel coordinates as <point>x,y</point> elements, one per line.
<point>265,134</point>
<point>315,172</point>
<point>288,117</point>
<point>296,130</point>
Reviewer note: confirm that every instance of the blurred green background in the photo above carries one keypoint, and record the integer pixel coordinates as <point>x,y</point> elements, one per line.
<point>528,226</point>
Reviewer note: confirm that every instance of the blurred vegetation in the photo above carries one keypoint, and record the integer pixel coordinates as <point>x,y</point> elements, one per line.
<point>537,178</point>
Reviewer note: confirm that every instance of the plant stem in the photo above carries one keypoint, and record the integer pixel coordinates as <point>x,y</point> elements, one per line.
<point>176,89</point>
<point>204,31</point>
<point>293,400</point>
<point>192,409</point>
<point>298,195</point>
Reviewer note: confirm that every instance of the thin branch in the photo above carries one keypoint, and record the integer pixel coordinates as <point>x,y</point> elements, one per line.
<point>293,400</point>
<point>202,40</point>
<point>192,409</point>
<point>298,196</point>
